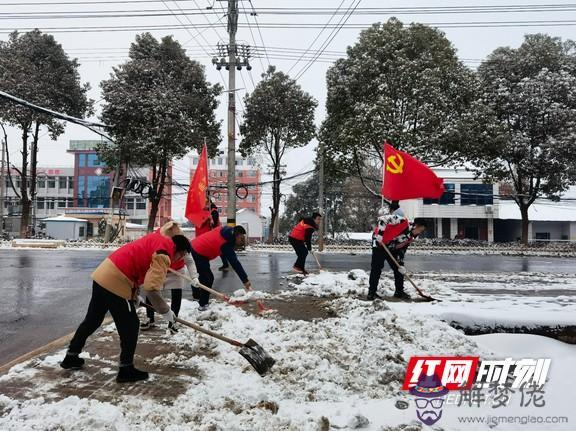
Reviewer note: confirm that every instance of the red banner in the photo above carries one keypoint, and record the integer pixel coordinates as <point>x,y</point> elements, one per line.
<point>196,209</point>
<point>404,177</point>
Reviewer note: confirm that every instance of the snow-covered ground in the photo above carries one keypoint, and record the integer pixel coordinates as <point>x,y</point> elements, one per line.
<point>343,372</point>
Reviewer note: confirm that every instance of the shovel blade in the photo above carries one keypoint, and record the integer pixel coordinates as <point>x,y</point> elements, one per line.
<point>260,360</point>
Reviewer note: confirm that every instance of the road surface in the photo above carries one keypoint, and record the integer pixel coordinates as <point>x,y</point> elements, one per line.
<point>44,293</point>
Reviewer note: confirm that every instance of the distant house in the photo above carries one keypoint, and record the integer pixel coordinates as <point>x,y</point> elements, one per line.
<point>67,228</point>
<point>252,222</point>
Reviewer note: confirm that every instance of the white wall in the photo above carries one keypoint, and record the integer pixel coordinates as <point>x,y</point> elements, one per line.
<point>65,229</point>
<point>251,222</point>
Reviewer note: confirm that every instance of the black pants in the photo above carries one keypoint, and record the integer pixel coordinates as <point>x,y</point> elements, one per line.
<point>379,256</point>
<point>205,277</point>
<point>124,314</point>
<point>301,252</point>
<point>174,304</point>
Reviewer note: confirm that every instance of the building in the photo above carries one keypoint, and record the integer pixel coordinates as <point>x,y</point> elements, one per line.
<point>66,228</point>
<point>93,185</point>
<point>54,193</point>
<point>467,209</point>
<point>252,222</point>
<point>248,174</point>
<point>471,209</point>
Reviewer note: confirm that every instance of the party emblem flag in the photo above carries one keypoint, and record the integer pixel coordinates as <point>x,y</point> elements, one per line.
<point>404,177</point>
<point>196,210</point>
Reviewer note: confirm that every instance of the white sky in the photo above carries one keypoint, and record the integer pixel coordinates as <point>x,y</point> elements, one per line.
<point>98,52</point>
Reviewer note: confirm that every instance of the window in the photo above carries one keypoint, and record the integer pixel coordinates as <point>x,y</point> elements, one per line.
<point>81,231</point>
<point>446,199</point>
<point>476,194</point>
<point>70,183</point>
<point>50,204</point>
<point>240,174</point>
<point>239,162</point>
<point>82,191</point>
<point>130,204</point>
<point>195,160</point>
<point>93,161</point>
<point>40,203</point>
<point>51,182</point>
<point>82,160</point>
<point>140,204</point>
<point>69,203</point>
<point>220,160</point>
<point>62,183</point>
<point>98,190</point>
<point>543,235</point>
<point>40,182</point>
<point>61,203</point>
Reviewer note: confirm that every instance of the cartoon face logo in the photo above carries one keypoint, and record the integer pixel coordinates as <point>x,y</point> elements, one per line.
<point>429,396</point>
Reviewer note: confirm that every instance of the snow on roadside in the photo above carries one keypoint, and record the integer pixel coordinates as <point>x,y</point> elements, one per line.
<point>344,371</point>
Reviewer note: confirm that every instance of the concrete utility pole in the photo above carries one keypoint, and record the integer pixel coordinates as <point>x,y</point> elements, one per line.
<point>2,186</point>
<point>231,50</point>
<point>321,197</point>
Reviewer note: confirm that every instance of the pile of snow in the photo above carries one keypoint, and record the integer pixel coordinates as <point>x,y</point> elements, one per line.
<point>343,372</point>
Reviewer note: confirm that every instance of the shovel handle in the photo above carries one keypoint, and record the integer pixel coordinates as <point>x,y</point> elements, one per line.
<point>201,286</point>
<point>317,261</point>
<point>201,329</point>
<point>209,332</point>
<point>405,275</point>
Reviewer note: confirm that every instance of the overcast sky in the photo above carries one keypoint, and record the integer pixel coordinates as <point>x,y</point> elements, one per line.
<point>99,51</point>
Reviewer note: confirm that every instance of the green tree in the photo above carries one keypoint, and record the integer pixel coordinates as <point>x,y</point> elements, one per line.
<point>34,67</point>
<point>160,106</point>
<point>279,115</point>
<point>401,83</point>
<point>529,104</point>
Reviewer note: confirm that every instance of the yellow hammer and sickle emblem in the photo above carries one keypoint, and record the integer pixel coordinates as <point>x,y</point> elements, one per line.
<point>395,164</point>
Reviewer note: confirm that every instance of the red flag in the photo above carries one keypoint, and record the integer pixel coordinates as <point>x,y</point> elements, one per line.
<point>196,210</point>
<point>404,177</point>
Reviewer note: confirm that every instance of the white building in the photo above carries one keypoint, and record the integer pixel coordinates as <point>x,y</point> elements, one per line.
<point>252,222</point>
<point>67,228</point>
<point>467,209</point>
<point>472,209</point>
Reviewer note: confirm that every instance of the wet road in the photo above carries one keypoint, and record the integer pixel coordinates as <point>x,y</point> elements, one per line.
<point>44,294</point>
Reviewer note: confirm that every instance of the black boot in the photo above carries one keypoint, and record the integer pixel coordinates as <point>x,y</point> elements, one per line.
<point>372,296</point>
<point>400,294</point>
<point>72,362</point>
<point>127,373</point>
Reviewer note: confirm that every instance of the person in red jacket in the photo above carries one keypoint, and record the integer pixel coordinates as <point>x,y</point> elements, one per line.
<point>220,241</point>
<point>301,240</point>
<point>115,290</point>
<point>396,233</point>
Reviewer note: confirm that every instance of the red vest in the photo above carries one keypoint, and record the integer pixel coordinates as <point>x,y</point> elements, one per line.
<point>134,258</point>
<point>299,231</point>
<point>391,231</point>
<point>209,244</point>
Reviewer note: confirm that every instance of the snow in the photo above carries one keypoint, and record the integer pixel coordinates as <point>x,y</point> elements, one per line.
<point>539,211</point>
<point>345,371</point>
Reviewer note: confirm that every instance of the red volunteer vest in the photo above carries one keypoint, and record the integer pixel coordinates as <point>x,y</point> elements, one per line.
<point>179,264</point>
<point>133,259</point>
<point>391,231</point>
<point>299,231</point>
<point>209,244</point>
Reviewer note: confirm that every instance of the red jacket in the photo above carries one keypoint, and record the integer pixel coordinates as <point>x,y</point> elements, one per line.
<point>299,231</point>
<point>134,258</point>
<point>209,244</point>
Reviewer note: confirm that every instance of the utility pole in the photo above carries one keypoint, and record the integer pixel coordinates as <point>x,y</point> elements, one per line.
<point>231,50</point>
<point>321,197</point>
<point>2,186</point>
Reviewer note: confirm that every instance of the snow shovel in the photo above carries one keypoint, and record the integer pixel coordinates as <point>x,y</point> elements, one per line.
<point>422,294</point>
<point>220,295</point>
<point>317,261</point>
<point>253,352</point>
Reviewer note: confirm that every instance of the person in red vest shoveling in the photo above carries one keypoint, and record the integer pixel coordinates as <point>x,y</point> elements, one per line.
<point>221,241</point>
<point>301,239</point>
<point>115,289</point>
<point>395,232</point>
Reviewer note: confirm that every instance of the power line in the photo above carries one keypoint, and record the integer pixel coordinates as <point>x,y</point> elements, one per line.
<point>330,38</point>
<point>258,28</point>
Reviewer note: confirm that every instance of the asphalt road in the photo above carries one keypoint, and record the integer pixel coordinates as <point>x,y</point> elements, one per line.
<point>44,293</point>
